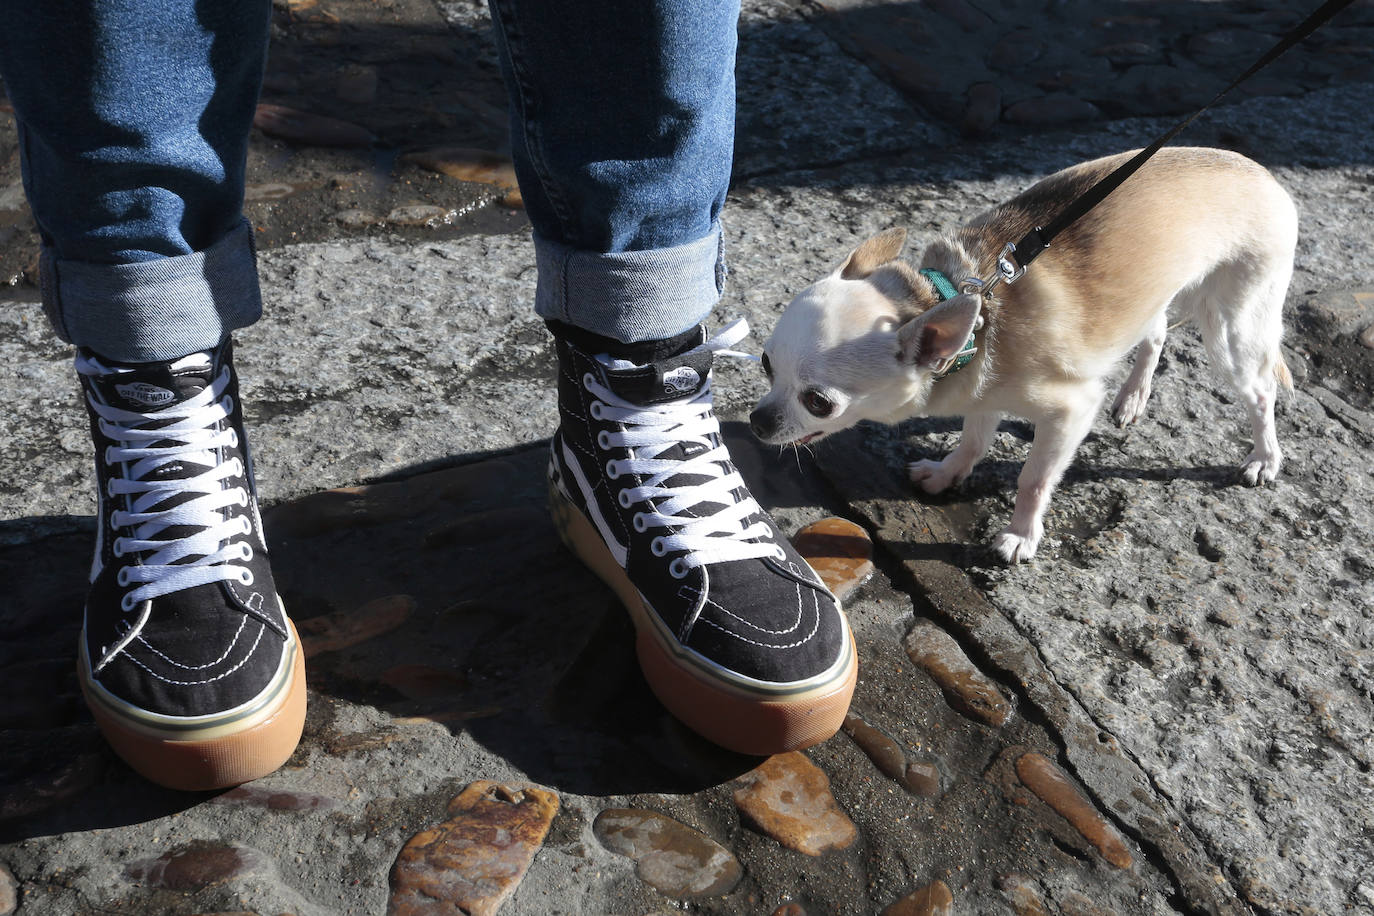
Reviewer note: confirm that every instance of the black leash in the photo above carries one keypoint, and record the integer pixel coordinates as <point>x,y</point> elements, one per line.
<point>1038,239</point>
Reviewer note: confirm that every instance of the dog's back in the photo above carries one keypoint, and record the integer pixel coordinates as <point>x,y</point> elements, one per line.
<point>1206,233</point>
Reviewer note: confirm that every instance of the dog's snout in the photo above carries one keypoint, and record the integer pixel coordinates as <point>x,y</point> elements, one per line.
<point>763,422</point>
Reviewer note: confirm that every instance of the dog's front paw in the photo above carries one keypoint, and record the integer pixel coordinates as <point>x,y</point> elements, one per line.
<point>933,476</point>
<point>1260,467</point>
<point>1015,548</point>
<point>1130,405</point>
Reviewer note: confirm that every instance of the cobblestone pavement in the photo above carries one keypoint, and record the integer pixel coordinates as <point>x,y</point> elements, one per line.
<point>1168,711</point>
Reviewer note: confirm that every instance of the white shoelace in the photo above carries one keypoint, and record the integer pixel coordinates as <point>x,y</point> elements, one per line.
<point>649,432</point>
<point>188,435</point>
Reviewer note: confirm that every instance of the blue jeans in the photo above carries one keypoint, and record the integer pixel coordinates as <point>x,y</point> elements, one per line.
<point>134,118</point>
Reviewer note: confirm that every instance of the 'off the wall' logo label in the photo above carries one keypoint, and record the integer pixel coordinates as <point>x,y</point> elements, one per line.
<point>681,379</point>
<point>146,394</point>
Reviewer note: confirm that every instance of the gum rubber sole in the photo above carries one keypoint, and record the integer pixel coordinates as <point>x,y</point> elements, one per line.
<point>214,757</point>
<point>725,713</point>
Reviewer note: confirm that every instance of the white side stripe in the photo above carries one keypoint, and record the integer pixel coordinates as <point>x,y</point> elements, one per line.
<point>593,510</point>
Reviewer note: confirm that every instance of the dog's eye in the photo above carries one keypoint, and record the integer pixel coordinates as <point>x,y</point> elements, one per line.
<point>817,404</point>
<point>767,366</point>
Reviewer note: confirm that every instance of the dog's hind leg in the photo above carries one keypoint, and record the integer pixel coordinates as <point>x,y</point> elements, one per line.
<point>1135,391</point>
<point>937,476</point>
<point>1057,437</point>
<point>1244,341</point>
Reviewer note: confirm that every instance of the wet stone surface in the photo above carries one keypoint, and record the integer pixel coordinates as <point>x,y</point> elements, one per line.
<point>1193,656</point>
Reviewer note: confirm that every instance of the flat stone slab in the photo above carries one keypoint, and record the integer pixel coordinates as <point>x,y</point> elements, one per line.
<point>474,861</point>
<point>788,797</point>
<point>674,859</point>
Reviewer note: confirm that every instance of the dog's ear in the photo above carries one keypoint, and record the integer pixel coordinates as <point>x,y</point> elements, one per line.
<point>873,253</point>
<point>937,334</point>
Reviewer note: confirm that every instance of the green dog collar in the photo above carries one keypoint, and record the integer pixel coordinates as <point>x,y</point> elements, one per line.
<point>946,291</point>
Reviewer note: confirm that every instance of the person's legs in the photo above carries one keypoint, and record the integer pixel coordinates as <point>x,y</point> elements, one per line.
<point>622,127</point>
<point>134,118</point>
<point>622,130</point>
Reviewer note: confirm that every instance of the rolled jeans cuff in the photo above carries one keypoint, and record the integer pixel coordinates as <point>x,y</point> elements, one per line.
<point>631,296</point>
<point>154,310</point>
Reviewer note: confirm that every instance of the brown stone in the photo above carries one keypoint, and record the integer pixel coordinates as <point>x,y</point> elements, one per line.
<point>671,857</point>
<point>1025,900</point>
<point>46,790</point>
<point>423,682</point>
<point>1130,52</point>
<point>332,632</point>
<point>467,164</point>
<point>418,215</point>
<point>934,899</point>
<point>309,129</point>
<point>839,551</point>
<point>885,753</point>
<point>197,865</point>
<point>473,861</point>
<point>9,892</point>
<point>965,687</point>
<point>983,110</point>
<point>275,800</point>
<point>357,84</point>
<point>1367,337</point>
<point>1056,108</point>
<point>790,909</point>
<point>922,777</point>
<point>788,797</point>
<point>1045,779</point>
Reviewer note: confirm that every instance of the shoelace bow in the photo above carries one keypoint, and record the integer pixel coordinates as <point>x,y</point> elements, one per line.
<point>649,432</point>
<point>185,433</point>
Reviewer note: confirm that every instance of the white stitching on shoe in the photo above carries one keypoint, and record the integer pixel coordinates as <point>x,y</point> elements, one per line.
<point>262,628</point>
<point>753,626</point>
<point>243,621</point>
<point>805,639</point>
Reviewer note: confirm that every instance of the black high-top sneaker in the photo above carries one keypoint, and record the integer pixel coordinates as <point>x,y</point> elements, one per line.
<point>736,634</point>
<point>187,659</point>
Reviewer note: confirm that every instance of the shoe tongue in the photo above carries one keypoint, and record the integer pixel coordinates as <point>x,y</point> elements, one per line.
<point>669,379</point>
<point>150,387</point>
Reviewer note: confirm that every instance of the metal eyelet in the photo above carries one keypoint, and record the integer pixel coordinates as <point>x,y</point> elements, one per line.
<point>779,553</point>
<point>122,577</point>
<point>657,548</point>
<point>678,569</point>
<point>243,496</point>
<point>127,603</point>
<point>639,522</point>
<point>595,409</point>
<point>603,440</point>
<point>612,470</point>
<point>108,459</point>
<point>246,551</point>
<point>117,548</point>
<point>246,576</point>
<point>624,499</point>
<point>233,438</point>
<point>245,526</point>
<point>588,380</point>
<point>109,488</point>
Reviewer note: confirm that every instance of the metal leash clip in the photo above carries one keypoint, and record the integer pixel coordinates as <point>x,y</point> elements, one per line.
<point>1008,272</point>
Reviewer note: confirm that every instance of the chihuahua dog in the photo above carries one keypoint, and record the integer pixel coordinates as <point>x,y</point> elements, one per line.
<point>1200,234</point>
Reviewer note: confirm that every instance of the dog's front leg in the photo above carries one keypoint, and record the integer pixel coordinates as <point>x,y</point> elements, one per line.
<point>1057,437</point>
<point>937,476</point>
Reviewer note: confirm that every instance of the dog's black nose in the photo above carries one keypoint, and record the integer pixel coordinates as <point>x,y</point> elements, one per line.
<point>763,423</point>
